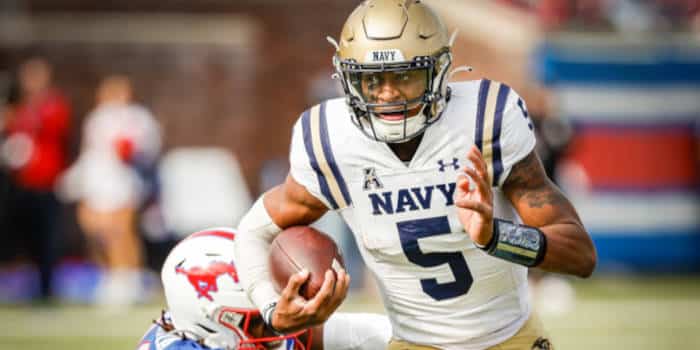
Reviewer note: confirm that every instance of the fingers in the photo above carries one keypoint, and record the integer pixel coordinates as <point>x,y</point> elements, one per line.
<point>294,311</point>
<point>481,183</point>
<point>476,206</point>
<point>291,291</point>
<point>342,285</point>
<point>477,172</point>
<point>474,155</point>
<point>478,175</point>
<point>332,293</point>
<point>481,203</point>
<point>463,183</point>
<point>324,294</point>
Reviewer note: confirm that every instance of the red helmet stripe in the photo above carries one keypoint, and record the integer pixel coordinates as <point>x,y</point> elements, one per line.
<point>214,233</point>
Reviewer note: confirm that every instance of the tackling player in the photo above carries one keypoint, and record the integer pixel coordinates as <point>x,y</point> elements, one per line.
<point>439,183</point>
<point>208,308</point>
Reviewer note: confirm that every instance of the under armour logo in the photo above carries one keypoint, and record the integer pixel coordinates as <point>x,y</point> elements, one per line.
<point>455,164</point>
<point>371,179</point>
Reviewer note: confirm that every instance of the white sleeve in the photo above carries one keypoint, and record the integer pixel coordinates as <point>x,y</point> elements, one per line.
<point>356,331</point>
<point>255,234</point>
<point>517,138</point>
<point>300,167</point>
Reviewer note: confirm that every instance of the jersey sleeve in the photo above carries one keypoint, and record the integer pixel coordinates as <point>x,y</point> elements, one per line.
<point>314,160</point>
<point>517,135</point>
<point>504,132</point>
<point>300,166</point>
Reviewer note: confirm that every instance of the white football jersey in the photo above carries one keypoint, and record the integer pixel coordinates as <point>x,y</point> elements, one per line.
<point>438,288</point>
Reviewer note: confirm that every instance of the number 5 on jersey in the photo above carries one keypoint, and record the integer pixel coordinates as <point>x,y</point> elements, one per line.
<point>412,230</point>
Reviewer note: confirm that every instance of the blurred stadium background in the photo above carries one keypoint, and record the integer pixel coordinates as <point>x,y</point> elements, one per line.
<point>613,87</point>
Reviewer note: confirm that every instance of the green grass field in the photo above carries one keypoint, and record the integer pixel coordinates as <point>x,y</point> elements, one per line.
<point>609,313</point>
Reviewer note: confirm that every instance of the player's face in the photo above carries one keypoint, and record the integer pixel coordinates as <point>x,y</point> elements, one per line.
<point>394,87</point>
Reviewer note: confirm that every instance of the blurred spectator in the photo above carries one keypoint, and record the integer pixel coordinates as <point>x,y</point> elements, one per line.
<point>34,151</point>
<point>120,147</point>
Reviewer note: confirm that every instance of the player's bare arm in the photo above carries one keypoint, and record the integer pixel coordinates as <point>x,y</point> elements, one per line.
<point>288,205</point>
<point>541,204</point>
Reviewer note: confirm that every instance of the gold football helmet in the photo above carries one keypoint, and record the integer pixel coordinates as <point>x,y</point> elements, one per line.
<point>392,59</point>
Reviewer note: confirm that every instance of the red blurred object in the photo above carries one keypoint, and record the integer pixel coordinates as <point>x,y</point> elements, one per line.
<point>125,148</point>
<point>637,158</point>
<point>46,121</point>
<point>554,13</point>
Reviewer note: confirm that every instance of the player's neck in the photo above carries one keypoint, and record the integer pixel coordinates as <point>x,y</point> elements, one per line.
<point>405,151</point>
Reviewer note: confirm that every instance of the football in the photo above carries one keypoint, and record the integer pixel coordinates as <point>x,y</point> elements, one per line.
<point>302,247</point>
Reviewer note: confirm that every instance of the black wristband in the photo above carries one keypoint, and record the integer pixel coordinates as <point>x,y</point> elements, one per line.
<point>520,244</point>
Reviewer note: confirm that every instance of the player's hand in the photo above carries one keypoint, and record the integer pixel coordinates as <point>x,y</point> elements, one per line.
<point>294,313</point>
<point>475,204</point>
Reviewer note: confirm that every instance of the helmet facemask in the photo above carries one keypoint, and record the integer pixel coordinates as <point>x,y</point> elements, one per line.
<point>248,328</point>
<point>418,84</point>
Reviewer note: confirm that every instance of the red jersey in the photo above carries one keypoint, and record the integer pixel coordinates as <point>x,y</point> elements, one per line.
<point>45,121</point>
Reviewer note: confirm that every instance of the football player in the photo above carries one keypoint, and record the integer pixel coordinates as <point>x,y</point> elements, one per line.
<point>209,309</point>
<point>439,183</point>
